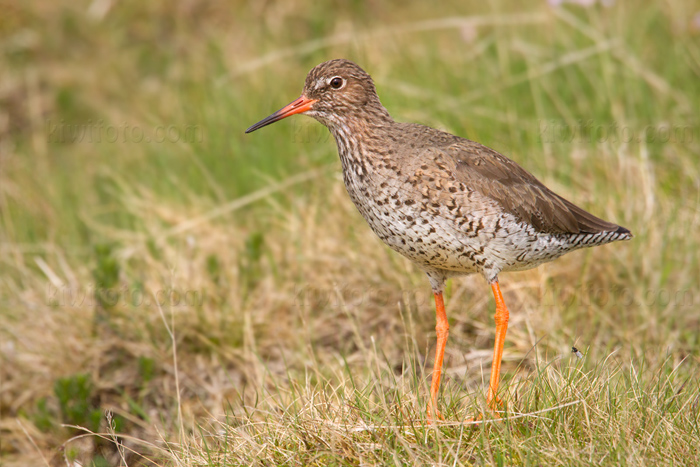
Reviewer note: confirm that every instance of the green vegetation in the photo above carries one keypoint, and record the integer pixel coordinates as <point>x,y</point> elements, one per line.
<point>174,292</point>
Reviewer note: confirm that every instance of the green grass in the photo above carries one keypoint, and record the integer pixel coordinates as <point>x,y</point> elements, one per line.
<point>216,299</point>
<point>564,413</point>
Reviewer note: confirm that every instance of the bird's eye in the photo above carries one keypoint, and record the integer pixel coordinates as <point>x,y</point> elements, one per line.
<point>337,82</point>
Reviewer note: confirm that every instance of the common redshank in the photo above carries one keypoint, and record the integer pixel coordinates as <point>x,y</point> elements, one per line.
<point>450,205</point>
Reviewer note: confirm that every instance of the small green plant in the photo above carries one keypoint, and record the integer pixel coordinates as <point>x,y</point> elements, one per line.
<point>42,417</point>
<point>214,268</point>
<point>106,275</point>
<point>99,461</point>
<point>251,271</point>
<point>75,398</point>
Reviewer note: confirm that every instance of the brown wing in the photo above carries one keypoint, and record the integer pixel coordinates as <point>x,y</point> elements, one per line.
<point>520,193</point>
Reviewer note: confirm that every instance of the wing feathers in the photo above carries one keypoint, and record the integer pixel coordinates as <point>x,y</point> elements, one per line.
<point>520,193</point>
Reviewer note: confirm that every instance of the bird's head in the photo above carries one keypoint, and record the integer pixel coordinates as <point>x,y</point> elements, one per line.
<point>334,91</point>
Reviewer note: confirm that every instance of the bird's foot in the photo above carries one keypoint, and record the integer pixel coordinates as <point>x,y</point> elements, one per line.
<point>434,414</point>
<point>494,402</point>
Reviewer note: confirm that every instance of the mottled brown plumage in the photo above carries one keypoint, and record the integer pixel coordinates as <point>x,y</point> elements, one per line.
<point>451,205</point>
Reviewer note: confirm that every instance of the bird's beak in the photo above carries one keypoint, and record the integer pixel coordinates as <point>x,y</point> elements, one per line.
<point>298,106</point>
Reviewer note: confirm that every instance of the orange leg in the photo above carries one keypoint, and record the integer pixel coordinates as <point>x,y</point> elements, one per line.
<point>501,328</point>
<point>442,329</point>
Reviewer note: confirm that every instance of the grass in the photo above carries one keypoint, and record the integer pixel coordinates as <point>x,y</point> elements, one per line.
<point>174,292</point>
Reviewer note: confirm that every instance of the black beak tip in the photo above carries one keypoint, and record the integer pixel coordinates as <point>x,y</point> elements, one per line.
<point>257,126</point>
<point>264,122</point>
<point>251,129</point>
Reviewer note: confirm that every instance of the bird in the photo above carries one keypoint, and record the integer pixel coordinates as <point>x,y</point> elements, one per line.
<point>450,205</point>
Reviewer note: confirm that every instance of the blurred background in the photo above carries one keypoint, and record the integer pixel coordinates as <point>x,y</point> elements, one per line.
<point>158,267</point>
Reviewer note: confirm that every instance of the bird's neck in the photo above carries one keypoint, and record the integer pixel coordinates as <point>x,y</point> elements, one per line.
<point>357,135</point>
<point>354,141</point>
